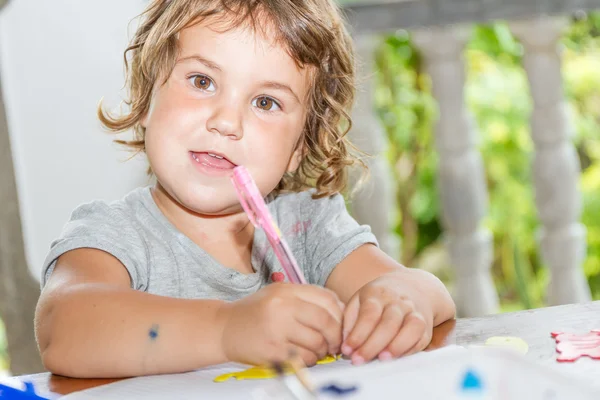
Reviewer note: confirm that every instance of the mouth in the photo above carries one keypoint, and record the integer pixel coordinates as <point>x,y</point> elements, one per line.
<point>212,159</point>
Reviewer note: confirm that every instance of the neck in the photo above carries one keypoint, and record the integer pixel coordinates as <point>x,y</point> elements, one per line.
<point>204,230</point>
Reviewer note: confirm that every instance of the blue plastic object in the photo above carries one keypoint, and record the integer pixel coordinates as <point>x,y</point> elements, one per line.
<point>11,393</point>
<point>471,381</point>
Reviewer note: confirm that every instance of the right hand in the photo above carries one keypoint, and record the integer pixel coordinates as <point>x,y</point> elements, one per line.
<point>282,318</point>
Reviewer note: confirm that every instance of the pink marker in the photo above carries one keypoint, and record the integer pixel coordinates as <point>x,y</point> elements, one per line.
<point>253,203</point>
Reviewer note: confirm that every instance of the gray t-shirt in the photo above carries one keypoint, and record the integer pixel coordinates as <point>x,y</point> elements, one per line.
<point>162,260</point>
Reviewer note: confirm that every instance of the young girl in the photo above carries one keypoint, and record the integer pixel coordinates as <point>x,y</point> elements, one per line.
<point>173,277</point>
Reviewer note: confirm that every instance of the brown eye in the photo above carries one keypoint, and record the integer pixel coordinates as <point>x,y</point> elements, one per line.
<point>202,82</point>
<point>267,104</point>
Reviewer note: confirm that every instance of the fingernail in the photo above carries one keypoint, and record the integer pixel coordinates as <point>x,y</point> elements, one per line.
<point>346,350</point>
<point>358,360</point>
<point>385,356</point>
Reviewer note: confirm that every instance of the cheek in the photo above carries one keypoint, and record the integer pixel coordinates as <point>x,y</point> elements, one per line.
<point>272,147</point>
<point>282,135</point>
<point>177,121</point>
<point>172,112</point>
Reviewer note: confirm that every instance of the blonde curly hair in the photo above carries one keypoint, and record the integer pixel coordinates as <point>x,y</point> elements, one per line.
<point>313,33</point>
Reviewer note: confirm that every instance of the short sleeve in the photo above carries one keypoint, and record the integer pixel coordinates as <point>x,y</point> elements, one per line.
<point>332,236</point>
<point>98,225</point>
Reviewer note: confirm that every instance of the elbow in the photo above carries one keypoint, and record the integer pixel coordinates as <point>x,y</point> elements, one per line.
<point>53,362</point>
<point>58,362</point>
<point>54,352</point>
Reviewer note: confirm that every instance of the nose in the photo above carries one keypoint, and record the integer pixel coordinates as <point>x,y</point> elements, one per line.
<point>226,120</point>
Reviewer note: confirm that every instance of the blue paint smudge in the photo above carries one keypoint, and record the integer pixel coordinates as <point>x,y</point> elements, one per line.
<point>153,333</point>
<point>338,390</point>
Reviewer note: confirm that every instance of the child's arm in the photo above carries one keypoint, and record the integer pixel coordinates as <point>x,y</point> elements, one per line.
<point>90,323</point>
<point>391,310</point>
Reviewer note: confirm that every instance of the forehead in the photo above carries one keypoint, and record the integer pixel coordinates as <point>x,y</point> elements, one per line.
<point>245,47</point>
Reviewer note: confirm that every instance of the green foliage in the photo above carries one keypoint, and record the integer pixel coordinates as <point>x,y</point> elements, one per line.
<point>497,95</point>
<point>408,111</point>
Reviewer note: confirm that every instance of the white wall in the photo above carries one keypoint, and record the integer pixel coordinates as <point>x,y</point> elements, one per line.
<point>58,58</point>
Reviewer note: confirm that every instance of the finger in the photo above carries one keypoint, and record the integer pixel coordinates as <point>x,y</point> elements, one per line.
<point>369,314</point>
<point>309,339</point>
<point>387,329</point>
<point>320,320</point>
<point>409,335</point>
<point>308,357</point>
<point>322,297</point>
<point>421,344</point>
<point>350,316</point>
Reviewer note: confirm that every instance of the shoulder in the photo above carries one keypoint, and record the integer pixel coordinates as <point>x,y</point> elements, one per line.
<point>108,226</point>
<point>119,211</point>
<point>102,220</point>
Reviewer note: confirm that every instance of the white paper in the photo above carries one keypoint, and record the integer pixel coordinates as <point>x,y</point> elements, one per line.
<point>430,375</point>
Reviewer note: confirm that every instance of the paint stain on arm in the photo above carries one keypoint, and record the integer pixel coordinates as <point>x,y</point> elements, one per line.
<point>153,332</point>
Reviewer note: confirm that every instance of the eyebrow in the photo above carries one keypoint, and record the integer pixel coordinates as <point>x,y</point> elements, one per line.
<point>202,60</point>
<point>280,86</point>
<point>215,66</point>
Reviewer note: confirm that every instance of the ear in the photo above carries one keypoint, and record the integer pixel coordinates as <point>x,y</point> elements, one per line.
<point>296,158</point>
<point>146,116</point>
<point>144,120</point>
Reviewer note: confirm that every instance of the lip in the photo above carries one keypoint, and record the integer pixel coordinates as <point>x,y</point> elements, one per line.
<point>216,153</point>
<point>207,167</point>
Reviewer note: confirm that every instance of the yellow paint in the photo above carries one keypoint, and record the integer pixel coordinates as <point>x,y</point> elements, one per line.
<point>328,360</point>
<point>250,373</point>
<point>514,343</point>
<point>263,372</point>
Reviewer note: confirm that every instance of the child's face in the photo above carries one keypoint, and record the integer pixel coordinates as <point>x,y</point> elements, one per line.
<point>232,94</point>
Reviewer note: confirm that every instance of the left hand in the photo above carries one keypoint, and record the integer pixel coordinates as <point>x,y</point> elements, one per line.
<point>386,319</point>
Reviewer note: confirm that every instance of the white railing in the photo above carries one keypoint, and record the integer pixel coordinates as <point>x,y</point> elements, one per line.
<point>461,177</point>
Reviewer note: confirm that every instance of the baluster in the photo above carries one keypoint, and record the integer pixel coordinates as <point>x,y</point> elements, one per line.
<point>374,204</point>
<point>556,167</point>
<point>461,178</point>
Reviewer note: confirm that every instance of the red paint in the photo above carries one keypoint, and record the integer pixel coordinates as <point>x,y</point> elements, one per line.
<point>277,277</point>
<point>301,227</point>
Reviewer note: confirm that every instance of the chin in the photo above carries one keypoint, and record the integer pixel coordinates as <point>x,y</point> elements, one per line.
<point>210,202</point>
<point>214,210</point>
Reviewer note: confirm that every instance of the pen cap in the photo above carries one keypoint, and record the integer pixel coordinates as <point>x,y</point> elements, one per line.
<point>243,184</point>
<point>252,201</point>
<point>241,175</point>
